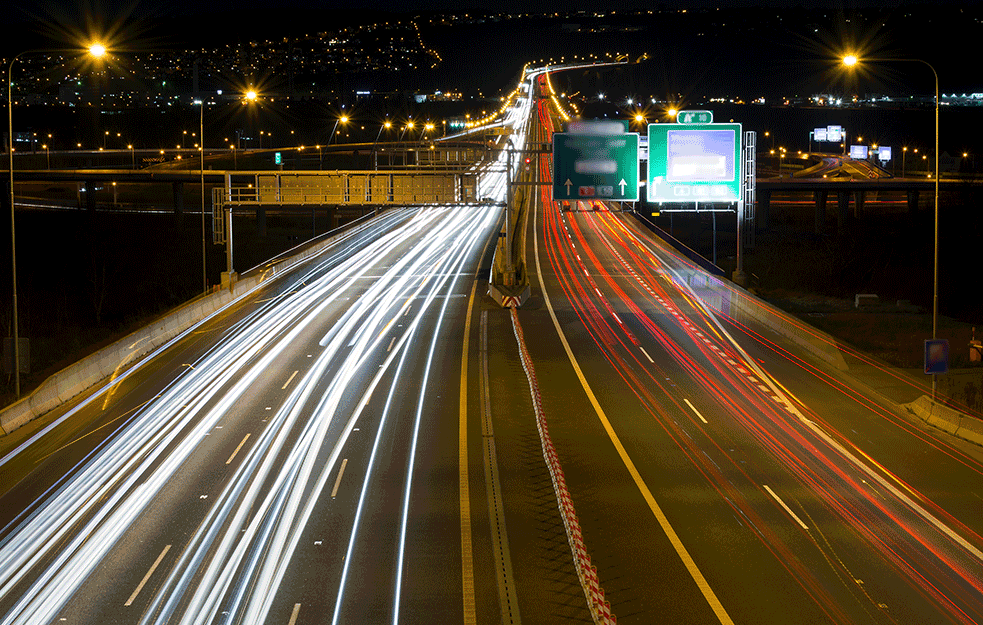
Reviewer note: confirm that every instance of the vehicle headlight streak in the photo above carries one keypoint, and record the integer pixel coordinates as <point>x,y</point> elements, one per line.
<point>224,568</point>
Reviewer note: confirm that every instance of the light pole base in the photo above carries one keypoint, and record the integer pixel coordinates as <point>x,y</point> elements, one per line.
<point>739,278</point>
<point>229,279</point>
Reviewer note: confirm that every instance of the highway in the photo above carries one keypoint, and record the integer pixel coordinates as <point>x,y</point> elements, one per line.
<point>727,474</point>
<point>318,452</point>
<point>276,459</point>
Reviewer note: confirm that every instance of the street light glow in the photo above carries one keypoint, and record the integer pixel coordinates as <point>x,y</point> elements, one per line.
<point>850,60</point>
<point>97,50</point>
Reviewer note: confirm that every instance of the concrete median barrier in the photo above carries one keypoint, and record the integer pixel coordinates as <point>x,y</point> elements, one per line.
<point>947,419</point>
<point>121,356</point>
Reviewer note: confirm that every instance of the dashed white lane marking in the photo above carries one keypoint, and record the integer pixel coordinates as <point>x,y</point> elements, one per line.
<point>787,509</point>
<point>337,482</point>
<point>146,577</point>
<point>693,408</point>
<point>289,380</point>
<point>241,443</point>
<point>646,354</point>
<point>294,614</point>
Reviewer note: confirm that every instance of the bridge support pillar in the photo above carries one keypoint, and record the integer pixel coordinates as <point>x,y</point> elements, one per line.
<point>842,209</point>
<point>820,212</point>
<point>332,217</point>
<point>90,196</point>
<point>858,203</point>
<point>763,215</point>
<point>177,193</point>
<point>260,222</point>
<point>912,201</point>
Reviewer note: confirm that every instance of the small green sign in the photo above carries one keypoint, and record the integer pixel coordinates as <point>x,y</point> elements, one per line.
<point>277,158</point>
<point>694,117</point>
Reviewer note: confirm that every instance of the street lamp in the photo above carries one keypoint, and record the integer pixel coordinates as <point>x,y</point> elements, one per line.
<point>95,50</point>
<point>387,125</point>
<point>851,61</point>
<point>426,128</point>
<point>408,126</point>
<point>341,120</point>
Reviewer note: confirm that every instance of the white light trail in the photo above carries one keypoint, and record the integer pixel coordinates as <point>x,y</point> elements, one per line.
<point>237,557</point>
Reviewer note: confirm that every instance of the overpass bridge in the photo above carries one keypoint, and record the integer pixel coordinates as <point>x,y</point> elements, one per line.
<point>845,190</point>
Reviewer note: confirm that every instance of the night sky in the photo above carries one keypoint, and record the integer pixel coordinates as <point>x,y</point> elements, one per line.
<point>789,56</point>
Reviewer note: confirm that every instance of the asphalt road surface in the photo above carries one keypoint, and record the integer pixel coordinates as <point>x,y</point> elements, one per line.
<point>722,473</point>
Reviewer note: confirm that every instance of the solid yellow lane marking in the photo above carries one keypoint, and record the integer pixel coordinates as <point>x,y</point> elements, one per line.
<point>467,557</point>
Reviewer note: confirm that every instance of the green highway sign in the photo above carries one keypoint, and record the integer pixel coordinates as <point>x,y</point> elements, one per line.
<point>694,117</point>
<point>694,163</point>
<point>595,166</point>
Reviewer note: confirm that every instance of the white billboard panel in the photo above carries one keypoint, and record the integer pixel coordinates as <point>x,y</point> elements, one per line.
<point>858,152</point>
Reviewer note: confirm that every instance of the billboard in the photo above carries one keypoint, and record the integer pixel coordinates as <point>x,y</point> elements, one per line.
<point>858,152</point>
<point>884,153</point>
<point>694,163</point>
<point>819,134</point>
<point>834,134</point>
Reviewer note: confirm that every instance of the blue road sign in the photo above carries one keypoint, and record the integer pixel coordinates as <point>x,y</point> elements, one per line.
<point>936,356</point>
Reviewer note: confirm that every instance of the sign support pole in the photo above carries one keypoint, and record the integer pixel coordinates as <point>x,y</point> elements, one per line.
<point>739,277</point>
<point>509,269</point>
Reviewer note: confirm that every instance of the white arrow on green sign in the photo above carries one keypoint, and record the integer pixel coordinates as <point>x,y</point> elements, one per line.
<point>595,166</point>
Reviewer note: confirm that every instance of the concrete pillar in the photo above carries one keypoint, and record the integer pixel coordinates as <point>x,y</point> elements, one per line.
<point>763,211</point>
<point>820,212</point>
<point>90,196</point>
<point>332,217</point>
<point>260,221</point>
<point>177,193</point>
<point>912,201</point>
<point>842,209</point>
<point>858,202</point>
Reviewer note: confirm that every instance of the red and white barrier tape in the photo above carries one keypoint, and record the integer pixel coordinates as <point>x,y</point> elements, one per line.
<point>599,608</point>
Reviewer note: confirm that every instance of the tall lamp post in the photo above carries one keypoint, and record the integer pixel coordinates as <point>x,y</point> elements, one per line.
<point>852,60</point>
<point>375,155</point>
<point>341,120</point>
<point>96,50</point>
<point>201,148</point>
